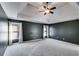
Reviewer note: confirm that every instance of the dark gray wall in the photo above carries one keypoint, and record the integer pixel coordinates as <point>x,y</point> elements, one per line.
<point>65,31</point>
<point>32,31</point>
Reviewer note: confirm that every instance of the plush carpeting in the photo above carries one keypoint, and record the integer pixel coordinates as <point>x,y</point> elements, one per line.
<point>47,47</point>
<point>2,49</point>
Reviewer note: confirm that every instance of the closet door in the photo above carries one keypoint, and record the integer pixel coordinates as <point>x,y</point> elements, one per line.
<point>3,32</point>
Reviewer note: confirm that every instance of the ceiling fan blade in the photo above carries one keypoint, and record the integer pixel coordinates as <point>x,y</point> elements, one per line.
<point>44,13</point>
<point>45,3</point>
<point>52,8</point>
<point>51,12</point>
<point>44,7</point>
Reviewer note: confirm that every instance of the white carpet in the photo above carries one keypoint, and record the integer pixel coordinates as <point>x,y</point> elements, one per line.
<point>2,49</point>
<point>47,47</point>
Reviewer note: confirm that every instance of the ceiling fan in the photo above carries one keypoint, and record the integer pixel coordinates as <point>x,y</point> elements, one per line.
<point>48,10</point>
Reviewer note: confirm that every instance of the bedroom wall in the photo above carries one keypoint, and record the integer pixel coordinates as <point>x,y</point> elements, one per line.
<point>3,27</point>
<point>3,31</point>
<point>65,31</point>
<point>32,31</point>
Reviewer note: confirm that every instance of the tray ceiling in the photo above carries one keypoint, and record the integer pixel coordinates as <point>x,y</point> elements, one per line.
<point>29,11</point>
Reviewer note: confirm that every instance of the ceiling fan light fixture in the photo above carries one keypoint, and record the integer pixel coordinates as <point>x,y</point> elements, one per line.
<point>47,11</point>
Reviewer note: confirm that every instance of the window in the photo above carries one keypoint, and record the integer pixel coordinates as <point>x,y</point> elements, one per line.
<point>45,33</point>
<point>14,32</point>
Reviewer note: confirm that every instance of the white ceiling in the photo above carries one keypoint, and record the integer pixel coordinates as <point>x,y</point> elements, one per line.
<point>29,11</point>
<point>2,13</point>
